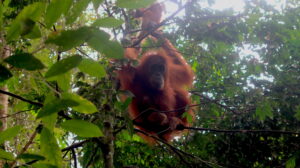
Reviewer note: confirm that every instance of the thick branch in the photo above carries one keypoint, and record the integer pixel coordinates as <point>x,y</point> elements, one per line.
<point>242,131</point>
<point>21,98</point>
<point>75,145</point>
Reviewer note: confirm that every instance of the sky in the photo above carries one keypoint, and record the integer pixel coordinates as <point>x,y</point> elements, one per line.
<point>236,5</point>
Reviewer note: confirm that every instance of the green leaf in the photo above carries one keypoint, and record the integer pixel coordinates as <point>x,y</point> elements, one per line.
<point>67,4</point>
<point>50,148</point>
<point>6,155</point>
<point>54,10</point>
<point>63,66</point>
<point>123,105</point>
<point>101,43</point>
<point>55,106</point>
<point>92,68</point>
<point>84,105</point>
<point>69,39</point>
<point>76,10</point>
<point>9,133</point>
<point>49,121</point>
<point>25,61</point>
<point>4,73</point>
<point>35,33</point>
<point>97,3</point>
<point>30,13</point>
<point>291,163</point>
<point>188,116</point>
<point>64,81</point>
<point>43,165</point>
<point>134,4</point>
<point>3,9</point>
<point>82,128</point>
<point>29,156</point>
<point>108,22</point>
<point>264,110</point>
<point>297,110</point>
<point>26,26</point>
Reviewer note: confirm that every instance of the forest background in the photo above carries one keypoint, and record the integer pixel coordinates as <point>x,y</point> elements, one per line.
<point>60,106</point>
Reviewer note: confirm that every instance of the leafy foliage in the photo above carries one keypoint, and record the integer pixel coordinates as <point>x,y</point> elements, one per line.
<point>25,61</point>
<point>65,101</point>
<point>82,128</point>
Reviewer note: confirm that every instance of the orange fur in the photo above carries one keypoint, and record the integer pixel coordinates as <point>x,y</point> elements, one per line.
<point>157,112</point>
<point>151,16</point>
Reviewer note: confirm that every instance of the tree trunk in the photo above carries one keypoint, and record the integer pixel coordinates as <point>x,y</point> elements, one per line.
<point>108,146</point>
<point>4,53</point>
<point>3,109</point>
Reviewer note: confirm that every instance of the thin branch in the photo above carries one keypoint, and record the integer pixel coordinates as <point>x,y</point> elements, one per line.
<point>178,151</point>
<point>73,146</point>
<point>167,111</point>
<point>242,131</point>
<point>38,49</point>
<point>119,129</point>
<point>16,113</point>
<point>215,102</point>
<point>94,152</point>
<point>46,83</point>
<point>82,52</point>
<point>74,157</point>
<point>110,14</point>
<point>24,149</point>
<point>21,98</point>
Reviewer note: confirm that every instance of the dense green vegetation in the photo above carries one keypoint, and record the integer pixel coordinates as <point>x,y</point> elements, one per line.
<point>58,61</point>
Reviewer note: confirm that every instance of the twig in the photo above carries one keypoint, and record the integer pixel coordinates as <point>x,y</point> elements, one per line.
<point>21,98</point>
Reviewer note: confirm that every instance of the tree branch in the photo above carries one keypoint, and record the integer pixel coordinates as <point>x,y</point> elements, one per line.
<point>173,148</point>
<point>74,157</point>
<point>21,98</point>
<point>24,149</point>
<point>16,113</point>
<point>72,147</point>
<point>215,102</point>
<point>75,145</point>
<point>242,131</point>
